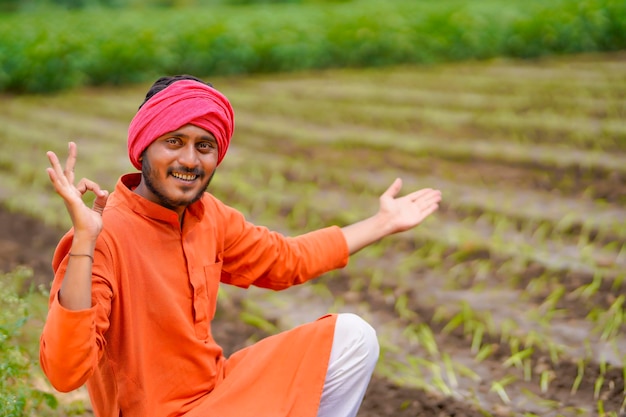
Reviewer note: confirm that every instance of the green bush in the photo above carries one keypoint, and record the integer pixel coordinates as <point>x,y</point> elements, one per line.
<point>18,398</point>
<point>44,52</point>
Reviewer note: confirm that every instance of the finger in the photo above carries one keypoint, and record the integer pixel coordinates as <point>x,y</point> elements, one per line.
<point>52,175</point>
<point>70,163</point>
<point>100,201</point>
<point>55,172</point>
<point>86,184</point>
<point>54,163</point>
<point>60,177</point>
<point>393,189</point>
<point>434,198</point>
<point>425,194</point>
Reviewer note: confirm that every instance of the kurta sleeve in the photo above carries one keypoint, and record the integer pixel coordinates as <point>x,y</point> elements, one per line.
<point>72,342</point>
<point>254,255</point>
<point>66,352</point>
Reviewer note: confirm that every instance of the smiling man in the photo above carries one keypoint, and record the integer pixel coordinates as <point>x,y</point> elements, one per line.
<point>137,277</point>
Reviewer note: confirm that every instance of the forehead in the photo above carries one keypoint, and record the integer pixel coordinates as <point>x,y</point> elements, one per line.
<point>190,131</point>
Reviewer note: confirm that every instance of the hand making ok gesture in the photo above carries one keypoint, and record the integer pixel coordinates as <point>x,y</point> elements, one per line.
<point>87,221</point>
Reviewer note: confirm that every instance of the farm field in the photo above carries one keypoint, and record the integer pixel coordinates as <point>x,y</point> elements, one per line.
<point>508,301</point>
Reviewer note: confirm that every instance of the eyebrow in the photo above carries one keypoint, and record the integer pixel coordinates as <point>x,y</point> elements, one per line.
<point>209,138</point>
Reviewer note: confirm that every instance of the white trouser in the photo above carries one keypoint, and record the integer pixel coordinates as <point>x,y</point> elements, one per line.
<point>352,360</point>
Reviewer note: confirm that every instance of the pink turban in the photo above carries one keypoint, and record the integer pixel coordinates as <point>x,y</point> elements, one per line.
<point>183,102</point>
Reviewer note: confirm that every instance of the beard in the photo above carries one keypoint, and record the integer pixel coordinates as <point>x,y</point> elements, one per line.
<point>160,191</point>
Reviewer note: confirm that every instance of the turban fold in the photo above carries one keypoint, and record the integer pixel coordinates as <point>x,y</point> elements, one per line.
<point>181,103</point>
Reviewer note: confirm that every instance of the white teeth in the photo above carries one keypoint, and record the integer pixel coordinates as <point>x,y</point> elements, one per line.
<point>186,177</point>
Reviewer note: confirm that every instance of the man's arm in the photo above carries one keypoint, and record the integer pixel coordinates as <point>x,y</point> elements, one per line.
<point>71,338</point>
<point>394,215</point>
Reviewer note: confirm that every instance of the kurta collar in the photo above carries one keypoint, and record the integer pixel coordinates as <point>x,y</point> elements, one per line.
<point>124,190</point>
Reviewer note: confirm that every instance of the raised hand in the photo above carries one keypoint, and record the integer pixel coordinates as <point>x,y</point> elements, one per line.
<point>406,212</point>
<point>394,215</point>
<point>86,221</point>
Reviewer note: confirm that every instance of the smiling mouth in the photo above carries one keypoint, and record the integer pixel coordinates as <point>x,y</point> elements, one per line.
<point>184,177</point>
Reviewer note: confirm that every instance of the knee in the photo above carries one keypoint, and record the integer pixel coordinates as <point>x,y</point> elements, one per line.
<point>362,334</point>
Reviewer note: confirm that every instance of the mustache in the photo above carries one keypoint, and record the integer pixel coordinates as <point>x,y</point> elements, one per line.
<point>193,171</point>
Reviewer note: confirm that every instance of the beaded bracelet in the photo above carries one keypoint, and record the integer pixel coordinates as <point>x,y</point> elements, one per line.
<point>82,254</point>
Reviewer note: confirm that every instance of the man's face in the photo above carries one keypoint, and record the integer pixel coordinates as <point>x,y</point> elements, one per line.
<point>177,167</point>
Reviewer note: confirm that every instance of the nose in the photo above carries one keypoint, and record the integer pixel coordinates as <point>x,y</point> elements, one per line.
<point>188,156</point>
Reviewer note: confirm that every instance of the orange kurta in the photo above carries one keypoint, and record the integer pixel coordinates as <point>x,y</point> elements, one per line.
<point>145,347</point>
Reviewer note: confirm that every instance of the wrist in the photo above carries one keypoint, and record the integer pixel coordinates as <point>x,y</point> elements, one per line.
<point>83,245</point>
<point>382,225</point>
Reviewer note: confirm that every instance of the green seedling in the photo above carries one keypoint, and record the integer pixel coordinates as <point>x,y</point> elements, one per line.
<point>426,339</point>
<point>618,282</point>
<point>528,370</point>
<point>597,386</point>
<point>438,381</point>
<point>499,388</point>
<point>449,367</point>
<point>579,376</point>
<point>467,372</point>
<point>402,309</point>
<point>517,359</point>
<point>544,380</point>
<point>587,291</point>
<point>507,327</point>
<point>477,337</point>
<point>542,232</point>
<point>615,318</point>
<point>545,403</point>
<point>485,352</point>
<point>554,350</point>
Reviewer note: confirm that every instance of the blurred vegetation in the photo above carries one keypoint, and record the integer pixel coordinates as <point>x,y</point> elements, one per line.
<point>18,396</point>
<point>30,5</point>
<point>113,42</point>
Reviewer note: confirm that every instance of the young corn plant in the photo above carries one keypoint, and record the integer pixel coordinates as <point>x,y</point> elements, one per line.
<point>545,403</point>
<point>485,352</point>
<point>450,372</point>
<point>401,307</point>
<point>586,291</point>
<point>499,387</point>
<point>522,361</point>
<point>599,382</point>
<point>618,281</point>
<point>545,378</point>
<point>579,376</point>
<point>614,318</point>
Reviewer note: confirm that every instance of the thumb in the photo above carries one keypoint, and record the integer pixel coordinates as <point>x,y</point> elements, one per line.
<point>393,189</point>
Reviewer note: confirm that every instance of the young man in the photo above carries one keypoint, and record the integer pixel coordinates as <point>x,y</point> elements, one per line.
<point>136,281</point>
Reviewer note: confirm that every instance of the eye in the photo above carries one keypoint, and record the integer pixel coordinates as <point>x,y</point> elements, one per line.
<point>207,146</point>
<point>173,140</point>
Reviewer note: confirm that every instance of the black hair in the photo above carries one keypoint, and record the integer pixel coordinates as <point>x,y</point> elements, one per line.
<point>163,82</point>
